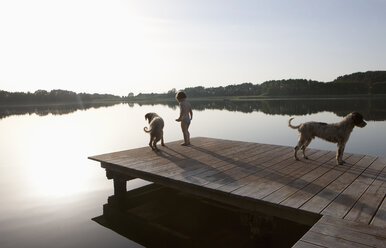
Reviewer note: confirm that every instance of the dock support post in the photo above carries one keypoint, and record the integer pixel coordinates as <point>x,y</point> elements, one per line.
<point>119,181</point>
<point>119,186</point>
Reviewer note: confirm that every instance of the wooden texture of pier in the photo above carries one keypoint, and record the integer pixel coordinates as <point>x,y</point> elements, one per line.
<point>347,202</point>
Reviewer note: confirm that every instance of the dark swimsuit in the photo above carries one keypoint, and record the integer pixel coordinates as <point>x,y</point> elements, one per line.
<point>186,120</point>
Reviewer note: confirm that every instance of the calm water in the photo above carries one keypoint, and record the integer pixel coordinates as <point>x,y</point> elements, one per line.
<point>50,191</point>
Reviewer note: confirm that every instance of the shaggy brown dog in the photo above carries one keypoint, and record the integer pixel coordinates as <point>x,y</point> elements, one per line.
<point>336,132</point>
<point>156,124</point>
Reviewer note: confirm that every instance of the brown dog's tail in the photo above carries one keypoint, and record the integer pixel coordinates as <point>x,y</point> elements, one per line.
<point>289,124</point>
<point>146,130</point>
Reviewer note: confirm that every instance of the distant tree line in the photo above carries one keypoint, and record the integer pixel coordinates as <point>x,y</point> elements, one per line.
<point>372,108</point>
<point>54,96</point>
<point>371,82</point>
<point>360,83</point>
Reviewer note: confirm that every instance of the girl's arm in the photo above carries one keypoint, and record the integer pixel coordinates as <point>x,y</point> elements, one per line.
<point>181,113</point>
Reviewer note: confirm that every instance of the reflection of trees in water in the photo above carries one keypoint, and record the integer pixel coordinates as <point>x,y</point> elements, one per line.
<point>43,110</point>
<point>371,108</point>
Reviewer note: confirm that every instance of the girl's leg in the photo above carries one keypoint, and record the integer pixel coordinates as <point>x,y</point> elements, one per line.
<point>188,134</point>
<point>185,131</point>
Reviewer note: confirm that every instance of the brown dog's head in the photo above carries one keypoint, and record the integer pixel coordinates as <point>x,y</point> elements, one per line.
<point>358,119</point>
<point>150,116</point>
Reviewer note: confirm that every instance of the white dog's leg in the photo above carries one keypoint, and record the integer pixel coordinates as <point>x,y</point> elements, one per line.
<point>151,142</point>
<point>301,143</point>
<point>156,139</point>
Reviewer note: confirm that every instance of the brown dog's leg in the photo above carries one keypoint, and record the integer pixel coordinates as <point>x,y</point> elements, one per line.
<point>304,148</point>
<point>296,148</point>
<point>339,154</point>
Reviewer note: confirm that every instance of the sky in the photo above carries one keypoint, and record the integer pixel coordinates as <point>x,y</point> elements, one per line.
<point>118,47</point>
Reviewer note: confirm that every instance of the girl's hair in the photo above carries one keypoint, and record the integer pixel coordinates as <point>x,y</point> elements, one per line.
<point>180,95</point>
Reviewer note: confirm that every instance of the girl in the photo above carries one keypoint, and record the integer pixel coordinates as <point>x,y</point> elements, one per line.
<point>186,115</point>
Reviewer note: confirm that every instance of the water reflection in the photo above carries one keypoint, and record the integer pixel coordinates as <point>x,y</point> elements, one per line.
<point>42,110</point>
<point>156,216</point>
<point>50,190</point>
<point>371,108</point>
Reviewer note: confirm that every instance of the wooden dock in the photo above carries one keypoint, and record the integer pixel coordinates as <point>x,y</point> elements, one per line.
<point>344,204</point>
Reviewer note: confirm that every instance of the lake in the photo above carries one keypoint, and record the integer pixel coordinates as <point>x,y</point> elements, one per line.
<point>50,191</point>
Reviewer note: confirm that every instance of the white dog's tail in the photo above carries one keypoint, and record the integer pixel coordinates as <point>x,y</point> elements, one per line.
<point>289,124</point>
<point>146,130</point>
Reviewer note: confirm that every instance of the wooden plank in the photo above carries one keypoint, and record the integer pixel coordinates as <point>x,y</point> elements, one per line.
<point>222,159</point>
<point>279,164</point>
<point>185,170</point>
<point>320,200</point>
<point>276,176</point>
<point>169,158</point>
<point>193,157</point>
<point>354,226</point>
<point>276,164</point>
<point>303,178</point>
<point>297,199</point>
<point>205,177</point>
<point>379,219</point>
<point>140,153</point>
<point>368,204</point>
<point>342,232</point>
<point>302,244</point>
<point>146,157</point>
<point>261,184</point>
<point>346,200</point>
<point>260,162</point>
<point>321,239</point>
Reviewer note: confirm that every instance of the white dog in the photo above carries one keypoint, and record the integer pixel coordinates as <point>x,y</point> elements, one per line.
<point>336,133</point>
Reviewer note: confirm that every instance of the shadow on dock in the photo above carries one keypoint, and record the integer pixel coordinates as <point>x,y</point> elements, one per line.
<point>156,216</point>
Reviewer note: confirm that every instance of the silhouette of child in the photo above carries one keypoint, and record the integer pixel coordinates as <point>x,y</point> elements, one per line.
<point>186,115</point>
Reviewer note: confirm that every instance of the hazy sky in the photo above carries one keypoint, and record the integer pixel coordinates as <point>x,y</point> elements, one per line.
<point>155,45</point>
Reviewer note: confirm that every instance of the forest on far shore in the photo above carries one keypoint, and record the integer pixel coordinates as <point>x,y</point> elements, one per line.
<point>53,96</point>
<point>360,83</point>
